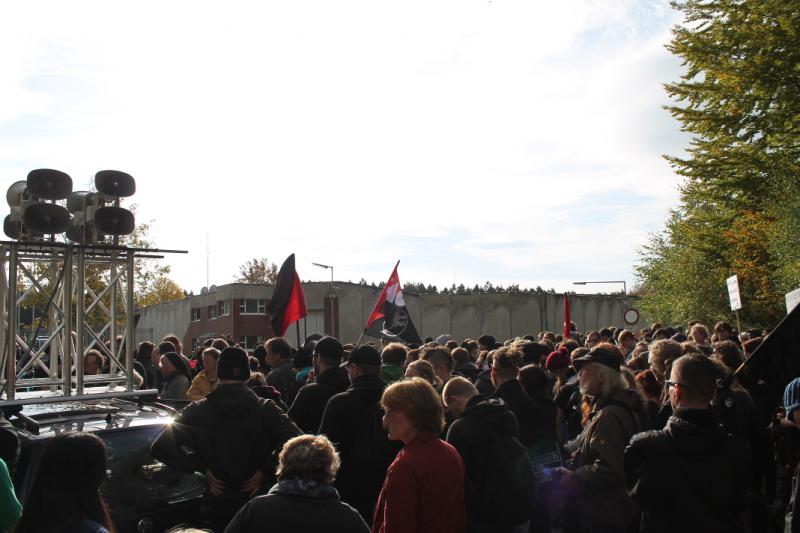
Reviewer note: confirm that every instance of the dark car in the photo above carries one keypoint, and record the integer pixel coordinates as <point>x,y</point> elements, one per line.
<point>143,494</point>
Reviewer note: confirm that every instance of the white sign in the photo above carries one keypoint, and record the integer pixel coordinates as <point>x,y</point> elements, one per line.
<point>733,293</point>
<point>792,299</point>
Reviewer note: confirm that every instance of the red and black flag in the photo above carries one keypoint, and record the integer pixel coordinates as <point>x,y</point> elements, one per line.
<point>567,324</point>
<point>288,303</point>
<point>389,317</point>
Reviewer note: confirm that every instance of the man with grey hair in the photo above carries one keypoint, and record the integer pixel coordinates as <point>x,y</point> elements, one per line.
<point>597,483</point>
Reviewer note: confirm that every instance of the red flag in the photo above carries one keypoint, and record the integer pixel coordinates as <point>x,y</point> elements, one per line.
<point>288,303</point>
<point>377,312</point>
<point>566,317</point>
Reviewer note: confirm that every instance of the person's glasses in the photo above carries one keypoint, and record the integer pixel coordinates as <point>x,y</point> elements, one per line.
<point>673,383</point>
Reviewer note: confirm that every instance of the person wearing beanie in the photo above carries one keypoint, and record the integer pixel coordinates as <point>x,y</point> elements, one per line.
<point>232,436</point>
<point>353,421</point>
<point>311,399</point>
<point>791,403</point>
<point>177,376</point>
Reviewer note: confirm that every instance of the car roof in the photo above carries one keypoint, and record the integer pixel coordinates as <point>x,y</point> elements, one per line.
<point>45,420</point>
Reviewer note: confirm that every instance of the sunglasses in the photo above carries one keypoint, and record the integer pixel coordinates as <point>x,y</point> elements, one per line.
<point>673,383</point>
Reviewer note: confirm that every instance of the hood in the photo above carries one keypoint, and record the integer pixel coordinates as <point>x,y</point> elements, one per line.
<point>622,396</point>
<point>335,377</point>
<point>491,411</point>
<point>232,399</point>
<point>391,373</point>
<point>304,488</point>
<point>696,434</point>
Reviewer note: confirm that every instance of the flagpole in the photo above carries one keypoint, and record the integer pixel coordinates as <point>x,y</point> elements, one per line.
<point>359,339</point>
<point>297,326</point>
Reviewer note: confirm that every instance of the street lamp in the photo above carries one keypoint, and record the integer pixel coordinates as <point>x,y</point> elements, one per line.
<point>624,286</point>
<point>320,265</point>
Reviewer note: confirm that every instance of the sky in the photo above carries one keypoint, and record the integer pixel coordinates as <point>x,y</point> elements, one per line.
<point>516,142</point>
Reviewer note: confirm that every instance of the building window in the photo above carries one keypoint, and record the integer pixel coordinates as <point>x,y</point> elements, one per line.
<point>252,307</point>
<point>195,314</point>
<point>212,312</point>
<point>249,342</point>
<point>223,308</point>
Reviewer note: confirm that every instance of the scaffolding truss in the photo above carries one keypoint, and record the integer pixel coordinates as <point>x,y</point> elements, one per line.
<point>80,317</point>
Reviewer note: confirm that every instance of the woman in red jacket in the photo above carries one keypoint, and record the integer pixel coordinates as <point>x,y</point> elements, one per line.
<point>424,486</point>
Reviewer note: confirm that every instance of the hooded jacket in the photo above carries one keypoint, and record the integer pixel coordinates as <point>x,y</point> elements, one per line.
<point>352,415</point>
<point>311,399</point>
<point>598,482</point>
<point>692,465</point>
<point>298,505</point>
<point>231,431</point>
<point>200,387</point>
<point>529,418</point>
<point>472,435</point>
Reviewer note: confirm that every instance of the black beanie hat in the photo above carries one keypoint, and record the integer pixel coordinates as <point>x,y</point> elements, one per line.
<point>329,348</point>
<point>233,364</point>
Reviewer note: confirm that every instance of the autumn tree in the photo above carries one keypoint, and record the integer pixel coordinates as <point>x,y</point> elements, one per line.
<point>258,271</point>
<point>739,98</point>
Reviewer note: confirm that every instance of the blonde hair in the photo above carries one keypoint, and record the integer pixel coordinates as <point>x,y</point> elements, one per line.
<point>309,457</point>
<point>425,371</point>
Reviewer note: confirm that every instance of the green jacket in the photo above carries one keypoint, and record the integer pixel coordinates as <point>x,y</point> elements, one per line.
<point>599,479</point>
<point>391,373</point>
<point>10,509</point>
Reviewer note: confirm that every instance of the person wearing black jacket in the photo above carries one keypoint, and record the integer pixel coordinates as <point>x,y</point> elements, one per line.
<point>508,388</point>
<point>479,422</point>
<point>309,404</point>
<point>231,435</point>
<point>692,475</point>
<point>353,421</point>
<point>303,499</point>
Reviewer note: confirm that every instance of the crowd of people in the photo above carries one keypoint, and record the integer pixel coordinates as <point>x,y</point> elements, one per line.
<point>597,432</point>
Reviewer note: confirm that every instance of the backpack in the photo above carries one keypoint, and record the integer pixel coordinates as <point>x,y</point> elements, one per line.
<point>509,493</point>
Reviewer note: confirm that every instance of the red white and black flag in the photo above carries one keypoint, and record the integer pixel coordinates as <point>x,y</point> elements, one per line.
<point>288,303</point>
<point>389,317</point>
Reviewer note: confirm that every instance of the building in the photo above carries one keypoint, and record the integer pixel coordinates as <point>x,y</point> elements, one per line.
<point>240,311</point>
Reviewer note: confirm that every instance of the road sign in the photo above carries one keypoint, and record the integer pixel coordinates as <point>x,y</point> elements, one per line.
<point>733,293</point>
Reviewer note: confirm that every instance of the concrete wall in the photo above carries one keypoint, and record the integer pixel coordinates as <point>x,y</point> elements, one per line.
<point>503,315</point>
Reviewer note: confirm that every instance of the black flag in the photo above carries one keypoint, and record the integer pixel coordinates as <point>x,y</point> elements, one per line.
<point>777,359</point>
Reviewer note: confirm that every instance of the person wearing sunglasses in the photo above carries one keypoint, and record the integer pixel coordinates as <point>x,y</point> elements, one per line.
<point>692,475</point>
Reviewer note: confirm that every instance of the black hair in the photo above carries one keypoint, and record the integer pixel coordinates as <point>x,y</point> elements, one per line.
<point>65,491</point>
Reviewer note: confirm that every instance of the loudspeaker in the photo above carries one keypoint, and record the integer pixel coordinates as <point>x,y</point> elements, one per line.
<point>16,193</point>
<point>115,183</point>
<point>80,200</point>
<point>114,220</point>
<point>45,218</point>
<point>12,226</point>
<point>49,184</point>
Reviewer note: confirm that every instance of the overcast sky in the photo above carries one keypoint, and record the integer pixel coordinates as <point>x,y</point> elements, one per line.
<point>510,141</point>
